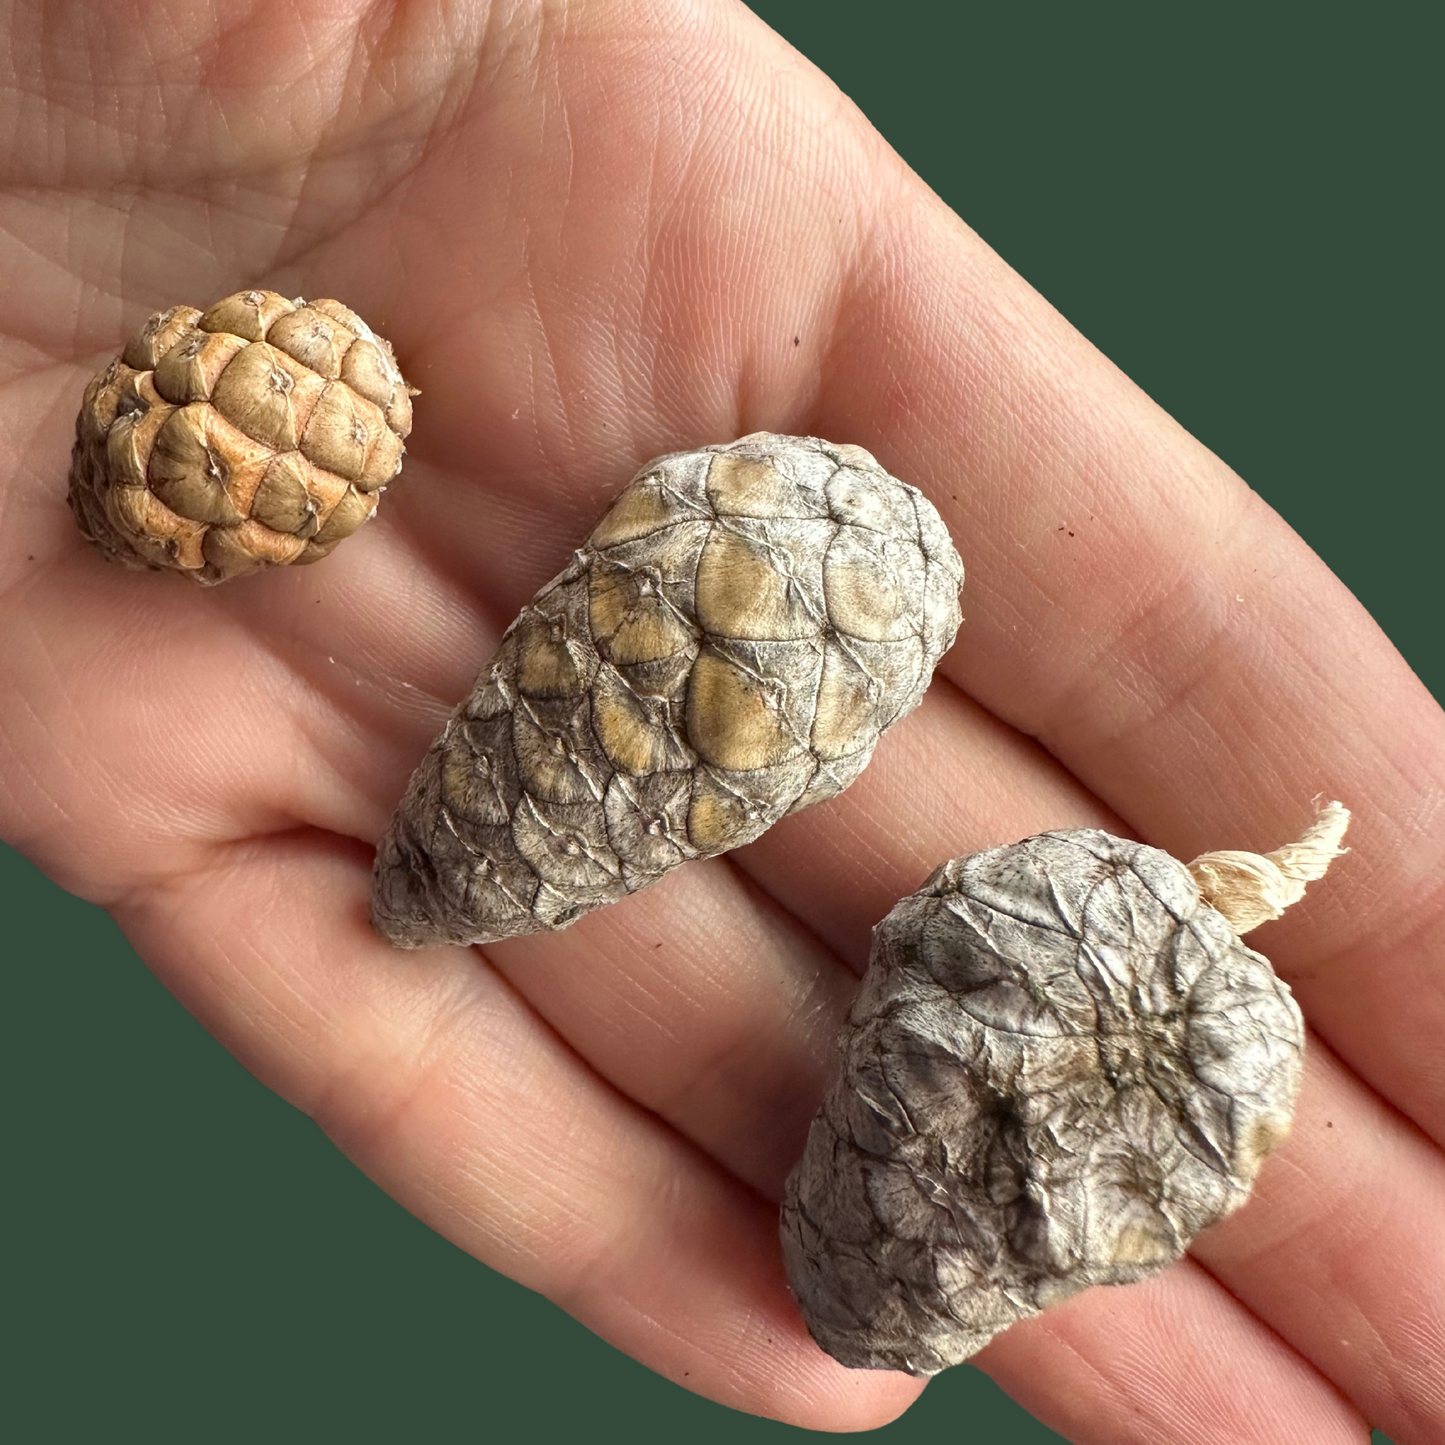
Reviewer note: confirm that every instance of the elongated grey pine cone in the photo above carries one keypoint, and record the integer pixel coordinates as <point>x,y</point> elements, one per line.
<point>725,648</point>
<point>1061,1066</point>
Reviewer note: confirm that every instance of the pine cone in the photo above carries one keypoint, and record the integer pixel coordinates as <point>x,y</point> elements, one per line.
<point>258,433</point>
<point>1061,1065</point>
<point>725,648</point>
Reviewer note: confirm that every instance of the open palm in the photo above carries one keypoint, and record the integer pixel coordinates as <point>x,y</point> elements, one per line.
<point>595,232</point>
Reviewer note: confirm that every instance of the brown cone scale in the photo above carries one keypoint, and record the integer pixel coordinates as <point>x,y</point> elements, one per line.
<point>255,434</point>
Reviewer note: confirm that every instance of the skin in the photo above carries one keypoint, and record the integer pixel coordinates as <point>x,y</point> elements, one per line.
<point>588,248</point>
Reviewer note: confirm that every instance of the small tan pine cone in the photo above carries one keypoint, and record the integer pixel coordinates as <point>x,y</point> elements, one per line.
<point>255,434</point>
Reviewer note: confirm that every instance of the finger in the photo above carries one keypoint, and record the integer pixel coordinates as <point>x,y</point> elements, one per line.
<point>1090,1369</point>
<point>706,1003</point>
<point>1160,630</point>
<point>432,1074</point>
<point>147,720</point>
<point>148,725</point>
<point>1363,1217</point>
<point>1342,1251</point>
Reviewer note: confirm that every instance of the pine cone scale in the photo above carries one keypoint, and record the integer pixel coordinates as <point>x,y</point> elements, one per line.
<point>161,332</point>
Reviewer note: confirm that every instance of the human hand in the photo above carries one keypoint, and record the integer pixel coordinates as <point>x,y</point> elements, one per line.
<point>605,248</point>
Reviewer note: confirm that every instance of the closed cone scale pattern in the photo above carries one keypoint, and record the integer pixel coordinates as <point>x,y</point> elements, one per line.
<point>1060,1066</point>
<point>725,648</point>
<point>257,433</point>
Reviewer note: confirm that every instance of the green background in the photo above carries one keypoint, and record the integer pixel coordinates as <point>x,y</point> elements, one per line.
<point>1231,201</point>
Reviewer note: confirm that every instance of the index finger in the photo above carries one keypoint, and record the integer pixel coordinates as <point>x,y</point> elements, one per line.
<point>1136,608</point>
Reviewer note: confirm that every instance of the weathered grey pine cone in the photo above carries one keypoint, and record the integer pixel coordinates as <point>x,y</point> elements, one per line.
<point>1060,1067</point>
<point>725,648</point>
<point>257,433</point>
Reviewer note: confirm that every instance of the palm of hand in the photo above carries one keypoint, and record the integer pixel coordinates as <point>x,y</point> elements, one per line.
<point>588,248</point>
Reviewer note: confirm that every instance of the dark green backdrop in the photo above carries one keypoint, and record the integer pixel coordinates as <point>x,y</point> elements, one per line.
<point>1231,200</point>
